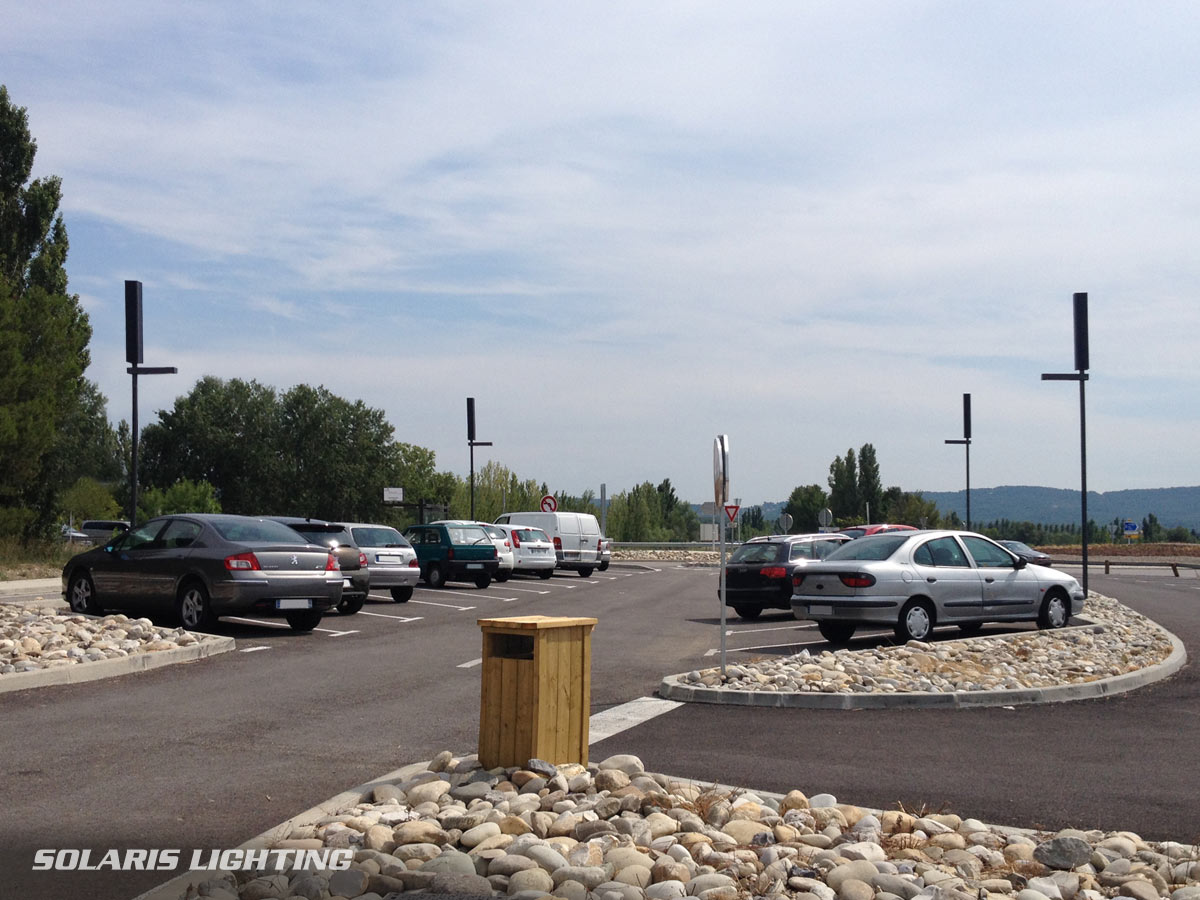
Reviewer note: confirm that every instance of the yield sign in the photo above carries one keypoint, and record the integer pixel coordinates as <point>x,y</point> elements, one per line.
<point>731,510</point>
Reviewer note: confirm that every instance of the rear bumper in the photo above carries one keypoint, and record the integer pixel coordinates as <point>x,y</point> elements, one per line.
<point>384,577</point>
<point>877,610</point>
<point>260,596</point>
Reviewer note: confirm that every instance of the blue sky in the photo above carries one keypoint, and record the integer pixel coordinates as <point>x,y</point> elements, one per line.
<point>625,228</point>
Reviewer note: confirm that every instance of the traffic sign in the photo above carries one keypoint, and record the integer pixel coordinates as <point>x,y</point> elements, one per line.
<point>1131,527</point>
<point>549,504</point>
<point>731,510</point>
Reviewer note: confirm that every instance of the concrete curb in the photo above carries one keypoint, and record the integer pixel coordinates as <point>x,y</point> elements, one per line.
<point>672,689</point>
<point>112,668</point>
<point>174,889</point>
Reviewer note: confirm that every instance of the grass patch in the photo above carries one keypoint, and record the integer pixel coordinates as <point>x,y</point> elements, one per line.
<point>35,559</point>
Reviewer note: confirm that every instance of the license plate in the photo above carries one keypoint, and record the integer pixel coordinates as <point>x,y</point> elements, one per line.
<point>474,565</point>
<point>293,604</point>
<point>820,610</point>
<point>346,583</point>
<point>387,559</point>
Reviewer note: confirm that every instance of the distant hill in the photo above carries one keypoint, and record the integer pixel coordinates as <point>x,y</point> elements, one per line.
<point>1057,506</point>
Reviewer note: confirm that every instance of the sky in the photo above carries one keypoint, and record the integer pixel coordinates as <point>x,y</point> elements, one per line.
<point>626,227</point>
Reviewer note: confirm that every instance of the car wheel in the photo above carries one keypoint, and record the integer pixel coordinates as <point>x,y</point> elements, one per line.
<point>603,566</point>
<point>585,572</point>
<point>402,594</point>
<point>1055,611</point>
<point>838,633</point>
<point>348,606</point>
<point>303,620</point>
<point>546,573</point>
<point>970,628</point>
<point>503,576</point>
<point>749,613</point>
<point>482,581</point>
<point>82,596</point>
<point>192,605</point>
<point>436,577</point>
<point>916,621</point>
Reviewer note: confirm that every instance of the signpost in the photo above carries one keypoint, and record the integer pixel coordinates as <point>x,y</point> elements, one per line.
<point>549,503</point>
<point>721,496</point>
<point>393,495</point>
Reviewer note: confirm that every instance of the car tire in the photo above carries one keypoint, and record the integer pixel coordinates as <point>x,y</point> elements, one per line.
<point>482,581</point>
<point>194,607</point>
<point>970,628</point>
<point>1055,611</point>
<point>603,566</point>
<point>837,633</point>
<point>81,594</point>
<point>303,620</point>
<point>348,606</point>
<point>402,594</point>
<point>502,577</point>
<point>749,613</point>
<point>916,622</point>
<point>545,573</point>
<point>585,571</point>
<point>436,577</point>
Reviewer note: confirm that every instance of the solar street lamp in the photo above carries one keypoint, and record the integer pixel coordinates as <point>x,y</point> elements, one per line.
<point>473,444</point>
<point>966,442</point>
<point>133,356</point>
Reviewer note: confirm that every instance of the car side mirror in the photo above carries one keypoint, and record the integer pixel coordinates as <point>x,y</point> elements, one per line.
<point>1021,563</point>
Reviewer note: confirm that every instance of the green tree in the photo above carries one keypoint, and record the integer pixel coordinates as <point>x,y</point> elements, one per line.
<point>182,497</point>
<point>804,506</point>
<point>44,332</point>
<point>843,489</point>
<point>87,498</point>
<point>870,488</point>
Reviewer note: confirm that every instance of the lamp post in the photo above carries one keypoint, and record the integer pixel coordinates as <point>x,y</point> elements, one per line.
<point>472,443</point>
<point>966,442</point>
<point>1080,374</point>
<point>133,356</point>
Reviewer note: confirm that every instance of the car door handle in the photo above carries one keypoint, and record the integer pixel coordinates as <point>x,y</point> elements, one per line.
<point>989,580</point>
<point>931,579</point>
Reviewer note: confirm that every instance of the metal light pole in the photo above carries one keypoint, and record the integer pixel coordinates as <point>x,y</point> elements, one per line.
<point>1080,374</point>
<point>133,356</point>
<point>966,441</point>
<point>473,444</point>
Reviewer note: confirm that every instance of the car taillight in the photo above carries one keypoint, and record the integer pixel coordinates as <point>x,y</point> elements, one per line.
<point>797,579</point>
<point>332,564</point>
<point>774,572</point>
<point>362,560</point>
<point>516,541</point>
<point>413,564</point>
<point>857,579</point>
<point>557,543</point>
<point>247,562</point>
<point>450,552</point>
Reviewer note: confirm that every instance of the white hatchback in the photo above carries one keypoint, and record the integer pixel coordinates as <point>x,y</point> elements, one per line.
<point>533,551</point>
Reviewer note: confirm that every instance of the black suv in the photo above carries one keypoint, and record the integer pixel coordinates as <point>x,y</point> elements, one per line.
<point>356,577</point>
<point>758,575</point>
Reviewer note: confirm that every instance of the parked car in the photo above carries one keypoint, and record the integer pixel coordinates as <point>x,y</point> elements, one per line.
<point>576,536</point>
<point>100,530</point>
<point>533,551</point>
<point>453,553</point>
<point>759,573</point>
<point>356,576</point>
<point>857,531</point>
<point>71,535</point>
<point>391,560</point>
<point>504,549</point>
<point>1027,553</point>
<point>206,566</point>
<point>916,581</point>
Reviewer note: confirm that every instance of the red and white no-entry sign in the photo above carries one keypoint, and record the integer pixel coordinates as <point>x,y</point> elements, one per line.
<point>549,504</point>
<point>731,510</point>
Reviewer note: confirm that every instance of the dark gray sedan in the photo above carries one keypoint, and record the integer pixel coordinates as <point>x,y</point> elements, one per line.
<point>201,566</point>
<point>914,581</point>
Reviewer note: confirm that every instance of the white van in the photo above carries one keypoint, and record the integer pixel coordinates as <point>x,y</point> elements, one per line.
<point>576,536</point>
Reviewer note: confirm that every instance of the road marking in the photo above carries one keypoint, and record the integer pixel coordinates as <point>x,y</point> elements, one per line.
<point>775,628</point>
<point>253,649</point>
<point>619,718</point>
<point>336,633</point>
<point>443,605</point>
<point>363,612</point>
<point>471,664</point>
<point>526,591</point>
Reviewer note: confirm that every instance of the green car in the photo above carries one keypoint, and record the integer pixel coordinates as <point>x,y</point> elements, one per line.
<point>454,553</point>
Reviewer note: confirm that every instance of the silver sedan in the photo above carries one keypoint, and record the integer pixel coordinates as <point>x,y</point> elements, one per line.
<point>915,581</point>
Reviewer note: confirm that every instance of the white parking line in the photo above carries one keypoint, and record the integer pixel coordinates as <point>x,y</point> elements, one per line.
<point>336,633</point>
<point>363,612</point>
<point>792,626</point>
<point>252,649</point>
<point>470,664</point>
<point>525,590</point>
<point>619,718</point>
<point>443,605</point>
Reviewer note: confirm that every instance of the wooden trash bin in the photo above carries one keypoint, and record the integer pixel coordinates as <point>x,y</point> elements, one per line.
<point>535,695</point>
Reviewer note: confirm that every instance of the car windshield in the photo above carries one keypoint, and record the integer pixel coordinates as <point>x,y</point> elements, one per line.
<point>248,531</point>
<point>378,536</point>
<point>876,547</point>
<point>759,553</point>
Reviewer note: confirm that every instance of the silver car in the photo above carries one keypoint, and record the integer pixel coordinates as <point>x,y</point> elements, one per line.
<point>201,566</point>
<point>391,559</point>
<point>915,581</point>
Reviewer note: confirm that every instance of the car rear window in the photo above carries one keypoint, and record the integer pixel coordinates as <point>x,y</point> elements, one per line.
<point>880,546</point>
<point>762,552</point>
<point>329,535</point>
<point>532,534</point>
<point>467,534</point>
<point>378,536</point>
<point>495,533</point>
<point>248,531</point>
